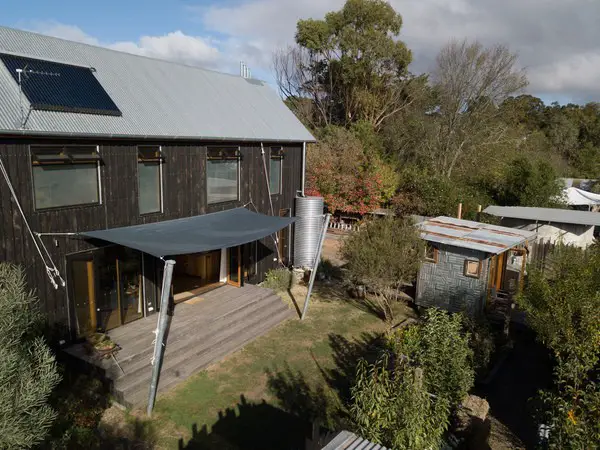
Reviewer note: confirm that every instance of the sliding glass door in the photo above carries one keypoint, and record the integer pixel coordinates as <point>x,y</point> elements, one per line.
<point>106,289</point>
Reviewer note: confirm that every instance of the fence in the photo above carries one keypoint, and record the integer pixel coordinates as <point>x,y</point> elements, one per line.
<point>343,227</point>
<point>539,251</point>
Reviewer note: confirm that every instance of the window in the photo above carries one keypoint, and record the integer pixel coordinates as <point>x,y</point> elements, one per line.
<point>222,174</point>
<point>275,171</point>
<point>431,253</point>
<point>149,180</point>
<point>65,176</point>
<point>472,268</point>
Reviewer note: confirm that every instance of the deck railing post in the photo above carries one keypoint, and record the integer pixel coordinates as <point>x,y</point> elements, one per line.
<point>159,345</point>
<point>313,274</point>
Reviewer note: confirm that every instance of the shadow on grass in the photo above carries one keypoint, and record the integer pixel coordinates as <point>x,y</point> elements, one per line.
<point>251,426</point>
<point>306,414</point>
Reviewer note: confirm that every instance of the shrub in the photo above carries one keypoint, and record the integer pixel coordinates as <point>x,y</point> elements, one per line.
<point>482,342</point>
<point>279,280</point>
<point>28,372</point>
<point>383,255</point>
<point>563,307</point>
<point>404,400</point>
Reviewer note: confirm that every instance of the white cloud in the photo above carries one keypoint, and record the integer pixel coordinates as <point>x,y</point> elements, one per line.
<point>557,40</point>
<point>175,46</point>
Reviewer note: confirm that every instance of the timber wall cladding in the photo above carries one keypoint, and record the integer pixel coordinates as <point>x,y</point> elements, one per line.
<point>444,284</point>
<point>184,195</point>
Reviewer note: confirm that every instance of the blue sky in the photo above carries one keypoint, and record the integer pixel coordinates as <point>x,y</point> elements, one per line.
<point>556,40</point>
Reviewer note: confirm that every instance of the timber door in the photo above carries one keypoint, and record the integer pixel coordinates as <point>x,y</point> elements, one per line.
<point>234,266</point>
<point>82,293</point>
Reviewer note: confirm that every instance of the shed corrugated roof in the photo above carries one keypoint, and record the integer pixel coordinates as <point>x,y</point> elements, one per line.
<point>473,235</point>
<point>551,215</point>
<point>346,440</point>
<point>157,98</point>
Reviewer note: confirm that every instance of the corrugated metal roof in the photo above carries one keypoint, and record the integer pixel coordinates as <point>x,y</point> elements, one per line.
<point>473,235</point>
<point>546,214</point>
<point>346,440</point>
<point>157,98</point>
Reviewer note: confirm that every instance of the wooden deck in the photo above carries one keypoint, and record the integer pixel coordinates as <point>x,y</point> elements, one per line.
<point>202,331</point>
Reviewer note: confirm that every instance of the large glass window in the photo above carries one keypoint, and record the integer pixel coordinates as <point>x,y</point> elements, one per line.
<point>222,174</point>
<point>65,176</point>
<point>149,180</point>
<point>275,170</point>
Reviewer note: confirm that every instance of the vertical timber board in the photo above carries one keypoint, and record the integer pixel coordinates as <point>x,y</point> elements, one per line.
<point>184,194</point>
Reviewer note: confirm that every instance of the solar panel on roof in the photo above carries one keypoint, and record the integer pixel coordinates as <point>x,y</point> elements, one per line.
<point>52,86</point>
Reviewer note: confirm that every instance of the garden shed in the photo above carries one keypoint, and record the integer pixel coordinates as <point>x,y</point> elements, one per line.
<point>554,225</point>
<point>470,265</point>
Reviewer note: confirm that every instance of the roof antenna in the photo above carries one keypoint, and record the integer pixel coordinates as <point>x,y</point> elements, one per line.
<point>21,76</point>
<point>245,70</point>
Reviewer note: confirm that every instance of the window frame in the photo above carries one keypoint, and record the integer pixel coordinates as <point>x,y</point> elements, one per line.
<point>436,254</point>
<point>160,159</point>
<point>38,149</point>
<point>466,265</point>
<point>237,156</point>
<point>276,154</point>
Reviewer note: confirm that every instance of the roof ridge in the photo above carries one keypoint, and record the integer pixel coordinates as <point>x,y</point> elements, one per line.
<point>108,49</point>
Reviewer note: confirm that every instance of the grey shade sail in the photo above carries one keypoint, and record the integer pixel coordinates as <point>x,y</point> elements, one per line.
<point>194,234</point>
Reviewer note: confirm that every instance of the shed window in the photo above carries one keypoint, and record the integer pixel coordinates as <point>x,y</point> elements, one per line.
<point>275,172</point>
<point>472,268</point>
<point>431,254</point>
<point>149,180</point>
<point>222,174</point>
<point>65,176</point>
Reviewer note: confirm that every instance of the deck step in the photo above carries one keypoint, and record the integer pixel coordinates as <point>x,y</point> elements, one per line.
<point>196,338</point>
<point>172,377</point>
<point>195,344</point>
<point>186,330</point>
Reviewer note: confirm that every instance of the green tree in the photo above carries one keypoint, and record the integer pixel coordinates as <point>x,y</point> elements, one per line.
<point>391,407</point>
<point>383,255</point>
<point>404,400</point>
<point>562,303</point>
<point>28,372</point>
<point>527,183</point>
<point>351,64</point>
<point>470,81</point>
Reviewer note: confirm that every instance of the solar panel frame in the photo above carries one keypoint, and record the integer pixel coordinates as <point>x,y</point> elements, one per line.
<point>54,86</point>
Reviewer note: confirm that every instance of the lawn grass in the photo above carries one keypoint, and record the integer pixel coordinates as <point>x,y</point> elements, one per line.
<point>276,372</point>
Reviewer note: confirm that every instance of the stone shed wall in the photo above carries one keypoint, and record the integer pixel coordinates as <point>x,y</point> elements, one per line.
<point>443,284</point>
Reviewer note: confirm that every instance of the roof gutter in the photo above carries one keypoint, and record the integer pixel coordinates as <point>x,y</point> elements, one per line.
<point>59,134</point>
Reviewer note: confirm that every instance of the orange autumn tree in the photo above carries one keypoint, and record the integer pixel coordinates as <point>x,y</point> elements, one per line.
<point>345,175</point>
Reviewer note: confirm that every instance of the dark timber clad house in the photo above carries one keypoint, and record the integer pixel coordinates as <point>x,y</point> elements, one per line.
<point>94,140</point>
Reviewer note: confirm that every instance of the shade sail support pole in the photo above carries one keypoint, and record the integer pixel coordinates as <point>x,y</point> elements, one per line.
<point>161,329</point>
<point>313,274</point>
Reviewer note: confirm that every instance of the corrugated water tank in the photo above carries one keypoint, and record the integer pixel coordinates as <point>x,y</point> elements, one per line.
<point>308,229</point>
